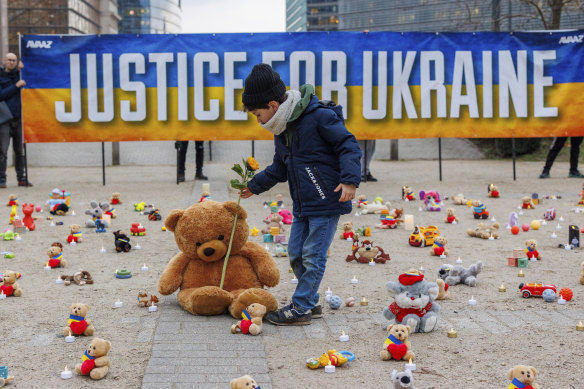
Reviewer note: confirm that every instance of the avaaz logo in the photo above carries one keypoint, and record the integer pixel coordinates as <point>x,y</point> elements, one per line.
<point>39,44</point>
<point>571,39</point>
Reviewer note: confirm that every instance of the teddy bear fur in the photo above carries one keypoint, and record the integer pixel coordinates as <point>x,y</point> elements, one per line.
<point>75,234</point>
<point>81,278</point>
<point>12,200</point>
<point>527,203</point>
<point>408,193</point>
<point>525,374</point>
<point>439,246</point>
<point>443,290</point>
<point>116,199</point>
<point>202,233</point>
<point>361,201</point>
<point>582,274</point>
<point>402,380</point>
<point>375,207</point>
<point>459,199</point>
<point>122,241</point>
<point>96,211</point>
<point>275,220</point>
<point>493,191</point>
<point>531,249</point>
<point>55,251</point>
<point>401,332</point>
<point>79,309</point>
<point>450,217</point>
<point>243,382</point>
<point>348,232</point>
<point>9,285</point>
<point>458,274</point>
<point>98,349</point>
<point>484,231</point>
<point>257,313</point>
<point>424,295</point>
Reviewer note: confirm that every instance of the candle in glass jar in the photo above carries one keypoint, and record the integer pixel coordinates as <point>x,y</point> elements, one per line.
<point>409,222</point>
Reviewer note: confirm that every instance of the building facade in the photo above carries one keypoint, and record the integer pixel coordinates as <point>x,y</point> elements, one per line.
<point>295,15</point>
<point>150,16</point>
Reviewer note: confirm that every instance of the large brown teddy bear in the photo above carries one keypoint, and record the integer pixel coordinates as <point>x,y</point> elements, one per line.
<point>202,234</point>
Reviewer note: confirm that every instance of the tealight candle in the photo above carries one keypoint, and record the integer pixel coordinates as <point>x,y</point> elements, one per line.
<point>520,274</point>
<point>102,250</point>
<point>52,224</point>
<point>72,213</point>
<point>459,261</point>
<point>66,374</point>
<point>543,222</point>
<point>364,302</point>
<point>372,262</point>
<point>491,237</point>
<point>554,236</point>
<point>558,227</point>
<point>118,304</point>
<point>70,338</point>
<point>561,218</point>
<point>354,280</point>
<point>59,280</point>
<point>152,307</point>
<point>422,269</point>
<point>520,212</point>
<point>580,327</point>
<point>144,268</point>
<point>502,288</point>
<point>420,209</point>
<point>72,243</point>
<point>47,267</point>
<point>290,270</point>
<point>138,247</point>
<point>410,366</point>
<point>329,368</point>
<point>344,337</point>
<point>493,219</point>
<point>2,295</point>
<point>442,256</point>
<point>452,333</point>
<point>472,301</point>
<point>561,300</point>
<point>18,238</point>
<point>294,280</point>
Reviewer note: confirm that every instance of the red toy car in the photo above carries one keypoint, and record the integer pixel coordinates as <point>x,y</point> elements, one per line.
<point>137,230</point>
<point>534,289</point>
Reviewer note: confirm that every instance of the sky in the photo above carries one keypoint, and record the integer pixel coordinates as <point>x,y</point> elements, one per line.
<point>208,16</point>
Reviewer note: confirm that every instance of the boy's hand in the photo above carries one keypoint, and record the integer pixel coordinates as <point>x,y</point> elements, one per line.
<point>348,192</point>
<point>245,193</point>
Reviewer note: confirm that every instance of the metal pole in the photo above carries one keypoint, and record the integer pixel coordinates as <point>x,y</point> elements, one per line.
<point>440,157</point>
<point>513,152</point>
<point>177,162</point>
<point>103,162</point>
<point>25,163</point>
<point>365,160</point>
<point>253,148</point>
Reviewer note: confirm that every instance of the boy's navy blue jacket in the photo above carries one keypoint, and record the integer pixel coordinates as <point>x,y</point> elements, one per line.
<point>8,90</point>
<point>321,153</point>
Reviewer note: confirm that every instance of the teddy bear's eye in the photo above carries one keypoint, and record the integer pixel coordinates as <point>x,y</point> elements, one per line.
<point>198,243</point>
<point>220,237</point>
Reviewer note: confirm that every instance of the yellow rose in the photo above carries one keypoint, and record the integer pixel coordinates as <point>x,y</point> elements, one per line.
<point>252,163</point>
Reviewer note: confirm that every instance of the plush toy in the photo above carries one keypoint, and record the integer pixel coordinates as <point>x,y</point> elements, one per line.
<point>450,217</point>
<point>332,357</point>
<point>9,235</point>
<point>154,215</point>
<point>459,199</point>
<point>144,301</point>
<point>431,200</point>
<point>408,193</point>
<point>116,199</point>
<point>348,232</point>
<point>458,274</point>
<point>57,203</point>
<point>531,249</point>
<point>80,278</point>
<point>522,376</point>
<point>78,324</point>
<point>493,191</point>
<point>403,379</point>
<point>484,231</point>
<point>244,382</point>
<point>108,209</point>
<point>375,207</point>
<point>9,285</point>
<point>275,221</point>
<point>438,248</point>
<point>12,200</point>
<point>75,234</point>
<point>367,252</point>
<point>55,254</point>
<point>28,221</point>
<point>414,303</point>
<point>527,203</point>
<point>582,274</point>
<point>139,207</point>
<point>286,216</point>
<point>13,214</point>
<point>391,220</point>
<point>122,241</point>
<point>96,212</point>
<point>95,360</point>
<point>443,289</point>
<point>479,210</point>
<point>361,201</point>
<point>397,346</point>
<point>550,214</point>
<point>251,322</point>
<point>202,233</point>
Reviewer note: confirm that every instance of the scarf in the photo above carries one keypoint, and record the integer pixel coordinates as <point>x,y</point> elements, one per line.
<point>277,124</point>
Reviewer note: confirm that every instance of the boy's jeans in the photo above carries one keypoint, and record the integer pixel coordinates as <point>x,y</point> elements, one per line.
<point>309,241</point>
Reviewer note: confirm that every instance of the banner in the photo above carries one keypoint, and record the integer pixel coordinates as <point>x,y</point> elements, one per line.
<point>391,85</point>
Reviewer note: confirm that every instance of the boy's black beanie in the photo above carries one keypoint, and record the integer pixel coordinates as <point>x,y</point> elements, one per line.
<point>262,86</point>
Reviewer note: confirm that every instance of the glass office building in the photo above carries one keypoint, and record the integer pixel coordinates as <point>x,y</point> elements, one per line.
<point>295,15</point>
<point>322,15</point>
<point>150,16</point>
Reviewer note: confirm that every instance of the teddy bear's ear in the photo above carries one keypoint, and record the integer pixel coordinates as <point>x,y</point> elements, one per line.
<point>173,218</point>
<point>511,373</point>
<point>409,330</point>
<point>86,306</point>
<point>231,206</point>
<point>108,345</point>
<point>389,327</point>
<point>533,371</point>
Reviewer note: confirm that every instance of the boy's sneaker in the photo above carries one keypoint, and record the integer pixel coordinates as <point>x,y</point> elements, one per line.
<point>289,316</point>
<point>544,174</point>
<point>316,311</point>
<point>575,174</point>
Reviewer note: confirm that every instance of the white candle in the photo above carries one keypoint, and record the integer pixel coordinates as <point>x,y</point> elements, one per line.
<point>328,294</point>
<point>152,308</point>
<point>491,237</point>
<point>2,295</point>
<point>561,300</point>
<point>329,368</point>
<point>47,267</point>
<point>138,247</point>
<point>554,236</point>
<point>409,222</point>
<point>493,219</point>
<point>561,218</point>
<point>521,212</point>
<point>354,280</point>
<point>66,374</point>
<point>442,256</point>
<point>118,304</point>
<point>294,280</point>
<point>144,268</point>
<point>18,238</point>
<point>410,366</point>
<point>72,213</point>
<point>472,301</point>
<point>102,250</point>
<point>72,243</point>
<point>558,227</point>
<point>543,222</point>
<point>59,280</point>
<point>344,337</point>
<point>420,209</point>
<point>206,187</point>
<point>372,262</point>
<point>459,261</point>
<point>70,338</point>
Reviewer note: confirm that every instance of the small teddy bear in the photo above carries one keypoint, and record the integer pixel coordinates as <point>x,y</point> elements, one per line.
<point>403,379</point>
<point>144,301</point>
<point>398,345</point>
<point>458,274</point>
<point>75,234</point>
<point>348,232</point>
<point>391,220</point>
<point>81,278</point>
<point>408,193</point>
<point>55,254</point>
<point>438,248</point>
<point>479,210</point>
<point>122,241</point>
<point>484,231</point>
<point>443,292</point>
<point>243,382</point>
<point>493,191</point>
<point>116,199</point>
<point>361,201</point>
<point>582,275</point>
<point>450,217</point>
<point>9,285</point>
<point>275,220</point>
<point>252,320</point>
<point>531,249</point>
<point>95,363</point>
<point>527,203</point>
<point>522,376</point>
<point>12,200</point>
<point>77,324</point>
<point>459,199</point>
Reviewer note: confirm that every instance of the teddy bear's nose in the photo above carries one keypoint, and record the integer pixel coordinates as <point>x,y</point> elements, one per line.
<point>413,298</point>
<point>209,251</point>
<point>405,380</point>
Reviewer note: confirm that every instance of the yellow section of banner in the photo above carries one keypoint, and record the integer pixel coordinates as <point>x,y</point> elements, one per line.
<point>41,125</point>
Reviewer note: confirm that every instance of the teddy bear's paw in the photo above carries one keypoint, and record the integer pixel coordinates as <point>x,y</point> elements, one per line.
<point>208,300</point>
<point>471,281</point>
<point>413,323</point>
<point>99,372</point>
<point>429,324</point>
<point>250,296</point>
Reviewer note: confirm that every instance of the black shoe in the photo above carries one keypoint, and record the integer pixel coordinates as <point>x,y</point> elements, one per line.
<point>544,174</point>
<point>200,176</point>
<point>2,185</point>
<point>575,174</point>
<point>24,183</point>
<point>289,316</point>
<point>368,177</point>
<point>316,312</point>
<point>180,177</point>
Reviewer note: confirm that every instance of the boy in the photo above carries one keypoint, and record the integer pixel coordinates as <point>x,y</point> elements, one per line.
<point>320,159</point>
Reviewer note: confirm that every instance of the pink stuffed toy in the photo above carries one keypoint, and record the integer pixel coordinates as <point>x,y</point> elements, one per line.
<point>286,216</point>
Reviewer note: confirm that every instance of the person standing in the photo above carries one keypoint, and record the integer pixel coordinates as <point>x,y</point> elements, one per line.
<point>367,151</point>
<point>182,147</point>
<point>555,148</point>
<point>10,87</point>
<point>319,158</point>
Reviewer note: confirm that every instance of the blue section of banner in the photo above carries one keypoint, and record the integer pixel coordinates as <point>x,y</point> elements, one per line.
<point>46,57</point>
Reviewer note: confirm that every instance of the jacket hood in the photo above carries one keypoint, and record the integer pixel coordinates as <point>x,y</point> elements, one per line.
<point>306,93</point>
